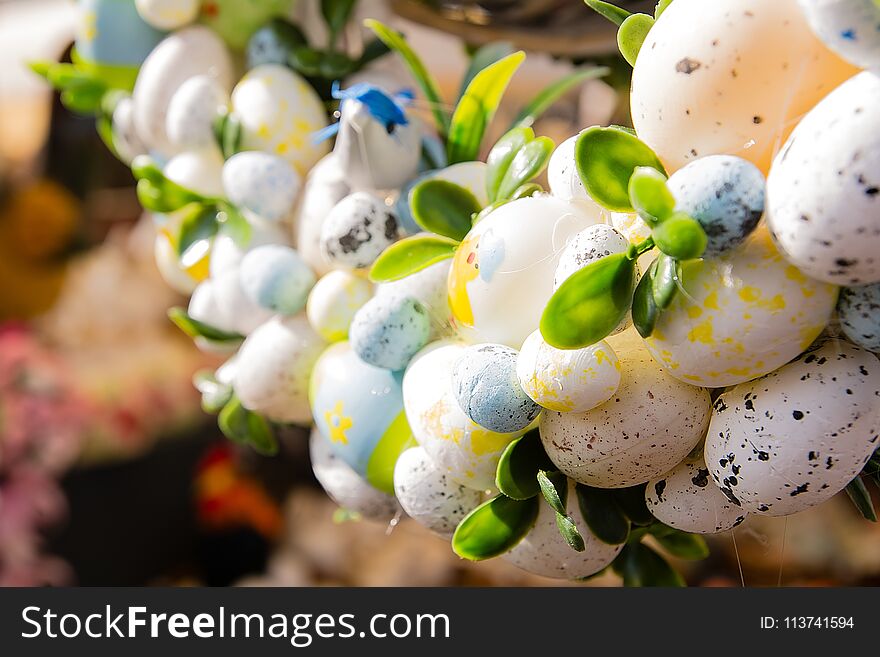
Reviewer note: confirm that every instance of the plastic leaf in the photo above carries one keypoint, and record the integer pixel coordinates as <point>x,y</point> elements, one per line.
<point>645,312</point>
<point>680,237</point>
<point>336,13</point>
<point>196,329</point>
<point>243,426</point>
<point>442,207</point>
<point>680,544</point>
<point>494,527</point>
<point>860,496</point>
<point>235,224</point>
<point>664,281</point>
<point>602,515</point>
<point>662,6</point>
<point>641,566</point>
<point>554,488</point>
<point>516,475</point>
<point>411,255</point>
<point>485,56</point>
<point>632,34</point>
<point>198,224</point>
<point>553,92</point>
<point>501,155</point>
<point>215,395</point>
<point>528,162</point>
<point>612,12</point>
<point>650,196</point>
<point>569,531</point>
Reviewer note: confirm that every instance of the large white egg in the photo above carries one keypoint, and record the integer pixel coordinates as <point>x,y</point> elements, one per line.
<point>648,426</point>
<point>261,183</point>
<point>192,51</point>
<point>799,435</point>
<point>502,274</point>
<point>851,28</point>
<point>823,192</point>
<point>334,301</point>
<point>736,84</point>
<point>744,314</point>
<point>325,186</point>
<point>200,171</point>
<point>460,447</point>
<point>192,111</point>
<point>279,113</point>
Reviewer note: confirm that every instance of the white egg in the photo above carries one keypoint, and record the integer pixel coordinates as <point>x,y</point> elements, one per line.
<point>274,366</point>
<point>334,301</point>
<point>650,424</point>
<point>192,111</point>
<point>429,287</point>
<point>502,273</point>
<point>428,496</point>
<point>227,253</point>
<point>567,381</point>
<point>200,171</point>
<point>823,192</point>
<point>192,51</point>
<point>324,188</point>
<point>125,138</point>
<point>357,230</point>
<point>744,314</point>
<point>562,174</point>
<point>168,14</point>
<point>687,499</point>
<point>279,113</point>
<point>799,435</point>
<point>262,183</point>
<point>631,226</point>
<point>275,278</point>
<point>544,552</point>
<point>460,447</point>
<point>851,28</point>
<point>168,264</point>
<point>222,303</point>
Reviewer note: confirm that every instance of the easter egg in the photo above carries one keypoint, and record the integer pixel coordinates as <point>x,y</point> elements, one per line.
<point>357,230</point>
<point>470,175</point>
<point>736,85</point>
<point>428,496</point>
<point>725,194</point>
<point>859,313</point>
<point>192,51</point>
<point>333,302</point>
<point>222,303</point>
<point>823,192</point>
<point>228,252</point>
<point>200,171</point>
<point>631,226</point>
<point>275,278</point>
<point>279,113</point>
<point>851,28</point>
<point>168,264</point>
<point>428,286</point>
<point>502,273</point>
<point>799,435</point>
<point>544,552</point>
<point>263,184</point>
<point>387,331</point>
<point>649,425</point>
<point>487,389</point>
<point>359,409</point>
<point>687,499</point>
<point>567,380</point>
<point>562,174</point>
<point>744,314</point>
<point>168,14</point>
<point>325,186</point>
<point>126,142</point>
<point>273,369</point>
<point>192,110</point>
<point>461,448</point>
<point>345,486</point>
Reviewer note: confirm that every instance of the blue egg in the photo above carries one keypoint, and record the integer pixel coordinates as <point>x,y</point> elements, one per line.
<point>112,32</point>
<point>275,277</point>
<point>859,310</point>
<point>725,194</point>
<point>388,331</point>
<point>487,389</point>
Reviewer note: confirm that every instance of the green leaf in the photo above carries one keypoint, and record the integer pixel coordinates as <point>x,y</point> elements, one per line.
<point>158,193</point>
<point>500,157</point>
<point>234,224</point>
<point>612,12</point>
<point>632,502</point>
<point>442,207</point>
<point>650,196</point>
<point>336,13</point>
<point>335,65</point>
<point>372,51</point>
<point>632,34</point>
<point>680,544</point>
<point>215,395</point>
<point>516,475</point>
<point>554,488</point>
<point>528,162</point>
<point>662,6</point>
<point>590,304</point>
<point>860,496</point>
<point>306,61</point>
<point>196,329</point>
<point>645,312</point>
<point>395,41</point>
<point>606,159</point>
<point>602,514</point>
<point>641,566</point>
<point>494,527</point>
<point>411,255</point>
<point>553,92</point>
<point>246,427</point>
<point>477,106</point>
<point>227,132</point>
<point>680,237</point>
<point>569,531</point>
<point>199,224</point>
<point>664,281</point>
<point>524,191</point>
<point>485,56</point>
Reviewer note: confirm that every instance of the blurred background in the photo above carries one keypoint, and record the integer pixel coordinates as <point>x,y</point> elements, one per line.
<point>110,474</point>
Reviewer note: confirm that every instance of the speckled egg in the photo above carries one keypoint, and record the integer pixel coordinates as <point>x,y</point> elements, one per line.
<point>357,230</point>
<point>333,302</point>
<point>502,273</point>
<point>325,186</point>
<point>279,113</point>
<point>389,330</point>
<point>429,287</point>
<point>567,380</point>
<point>227,253</point>
<point>345,486</point>
<point>200,171</point>
<point>544,552</point>
<point>851,28</point>
<point>275,278</point>
<point>359,408</point>
<point>273,369</point>
<point>744,314</point>
<point>112,36</point>
<point>168,14</point>
<point>799,435</point>
<point>687,499</point>
<point>192,111</point>
<point>261,183</point>
<point>736,85</point>
<point>562,174</point>
<point>430,497</point>
<point>488,391</point>
<point>725,194</point>
<point>859,312</point>
<point>823,192</point>
<point>470,175</point>
<point>650,424</point>
<point>460,447</point>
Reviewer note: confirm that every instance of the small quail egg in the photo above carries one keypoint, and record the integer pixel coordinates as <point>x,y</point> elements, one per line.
<point>388,331</point>
<point>357,230</point>
<point>859,312</point>
<point>276,278</point>
<point>261,183</point>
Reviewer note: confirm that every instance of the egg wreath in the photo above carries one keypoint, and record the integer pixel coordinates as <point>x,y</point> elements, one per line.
<point>680,332</point>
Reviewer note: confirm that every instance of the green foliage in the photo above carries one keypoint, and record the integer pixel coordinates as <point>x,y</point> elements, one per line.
<point>494,527</point>
<point>444,208</point>
<point>516,475</point>
<point>411,255</point>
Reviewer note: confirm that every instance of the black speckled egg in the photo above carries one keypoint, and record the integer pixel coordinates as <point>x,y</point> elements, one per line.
<point>357,230</point>
<point>859,311</point>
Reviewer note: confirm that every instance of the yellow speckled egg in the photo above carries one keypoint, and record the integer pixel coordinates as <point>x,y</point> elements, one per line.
<point>502,274</point>
<point>729,76</point>
<point>333,302</point>
<point>279,113</point>
<point>458,445</point>
<point>745,314</point>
